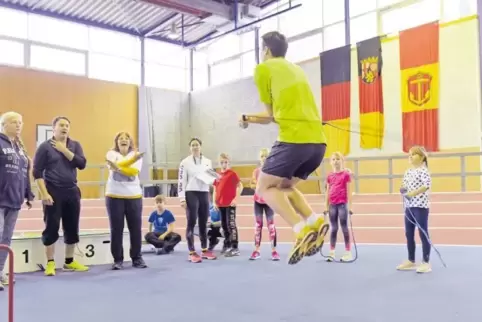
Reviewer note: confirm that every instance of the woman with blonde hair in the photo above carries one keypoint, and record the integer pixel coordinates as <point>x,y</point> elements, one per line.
<point>14,181</point>
<point>261,207</point>
<point>123,198</point>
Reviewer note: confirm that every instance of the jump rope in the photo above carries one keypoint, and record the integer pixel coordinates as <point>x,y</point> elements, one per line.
<point>405,199</point>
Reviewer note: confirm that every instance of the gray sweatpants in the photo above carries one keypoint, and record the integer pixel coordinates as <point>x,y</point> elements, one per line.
<point>8,219</point>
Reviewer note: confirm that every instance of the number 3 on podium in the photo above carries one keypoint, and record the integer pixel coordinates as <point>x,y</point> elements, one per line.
<point>90,251</point>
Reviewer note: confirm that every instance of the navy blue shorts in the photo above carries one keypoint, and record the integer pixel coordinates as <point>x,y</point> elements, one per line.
<point>288,160</point>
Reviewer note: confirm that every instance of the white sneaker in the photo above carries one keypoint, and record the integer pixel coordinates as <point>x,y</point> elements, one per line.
<point>4,279</point>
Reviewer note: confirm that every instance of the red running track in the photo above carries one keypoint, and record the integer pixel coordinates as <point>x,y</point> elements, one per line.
<point>455,218</point>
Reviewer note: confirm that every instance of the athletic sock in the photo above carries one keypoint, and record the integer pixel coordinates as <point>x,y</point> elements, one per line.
<point>50,260</point>
<point>69,261</point>
<point>298,227</point>
<point>311,221</point>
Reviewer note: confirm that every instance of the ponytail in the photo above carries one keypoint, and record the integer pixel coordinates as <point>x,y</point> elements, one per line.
<point>21,145</point>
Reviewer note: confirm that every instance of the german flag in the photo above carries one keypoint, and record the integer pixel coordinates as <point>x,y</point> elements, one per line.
<point>372,122</point>
<point>419,64</point>
<point>335,98</point>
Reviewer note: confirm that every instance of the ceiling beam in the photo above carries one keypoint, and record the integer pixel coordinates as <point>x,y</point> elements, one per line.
<point>212,7</point>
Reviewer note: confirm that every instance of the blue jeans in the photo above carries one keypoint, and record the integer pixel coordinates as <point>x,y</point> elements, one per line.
<point>420,215</point>
<point>8,220</point>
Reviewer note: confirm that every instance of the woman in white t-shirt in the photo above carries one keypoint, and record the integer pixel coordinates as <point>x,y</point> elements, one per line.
<point>196,175</point>
<point>123,198</point>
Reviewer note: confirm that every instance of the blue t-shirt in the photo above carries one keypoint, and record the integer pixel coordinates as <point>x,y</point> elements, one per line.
<point>161,221</point>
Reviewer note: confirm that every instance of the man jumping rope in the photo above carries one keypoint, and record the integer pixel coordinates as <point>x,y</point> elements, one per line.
<point>300,148</point>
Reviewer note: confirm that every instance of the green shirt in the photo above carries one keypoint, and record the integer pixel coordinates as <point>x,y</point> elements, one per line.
<point>284,86</point>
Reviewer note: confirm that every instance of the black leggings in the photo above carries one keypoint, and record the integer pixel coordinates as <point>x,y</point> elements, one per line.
<point>197,203</point>
<point>420,215</point>
<point>119,209</point>
<point>339,212</point>
<point>230,229</point>
<point>66,208</point>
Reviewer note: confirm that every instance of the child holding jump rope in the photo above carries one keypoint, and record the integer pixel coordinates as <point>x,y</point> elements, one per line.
<point>415,188</point>
<point>261,207</point>
<point>338,204</point>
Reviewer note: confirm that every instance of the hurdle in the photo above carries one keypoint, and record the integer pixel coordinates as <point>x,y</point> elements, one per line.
<point>10,280</point>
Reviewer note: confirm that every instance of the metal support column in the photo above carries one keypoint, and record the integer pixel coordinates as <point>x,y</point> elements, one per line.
<point>256,45</point>
<point>191,69</point>
<point>479,14</point>
<point>347,22</point>
<point>143,61</point>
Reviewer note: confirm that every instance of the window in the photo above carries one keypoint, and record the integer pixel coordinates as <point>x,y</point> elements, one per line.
<point>166,54</point>
<point>225,72</point>
<point>167,77</point>
<point>306,48</point>
<point>114,43</point>
<point>306,18</point>
<point>269,25</point>
<point>361,7</point>
<point>225,47</point>
<point>456,9</point>
<point>363,27</point>
<point>56,60</point>
<point>13,23</point>
<point>333,11</point>
<point>248,64</point>
<point>115,69</point>
<point>385,3</point>
<point>200,60</point>
<point>200,79</point>
<point>11,53</point>
<point>247,41</point>
<point>58,32</point>
<point>334,36</point>
<point>411,16</point>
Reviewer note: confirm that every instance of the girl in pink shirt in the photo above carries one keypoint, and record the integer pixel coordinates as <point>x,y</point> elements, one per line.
<point>261,207</point>
<point>338,203</point>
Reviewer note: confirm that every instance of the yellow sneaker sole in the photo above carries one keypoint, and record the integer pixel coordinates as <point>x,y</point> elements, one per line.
<point>315,246</point>
<point>299,251</point>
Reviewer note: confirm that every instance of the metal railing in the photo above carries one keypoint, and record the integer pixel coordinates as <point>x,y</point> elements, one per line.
<point>353,164</point>
<point>11,283</point>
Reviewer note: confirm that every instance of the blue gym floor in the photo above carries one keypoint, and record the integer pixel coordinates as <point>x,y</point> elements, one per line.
<point>237,290</point>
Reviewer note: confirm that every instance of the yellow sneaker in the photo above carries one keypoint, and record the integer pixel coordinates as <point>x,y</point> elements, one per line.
<point>406,266</point>
<point>75,267</point>
<point>424,268</point>
<point>347,256</point>
<point>50,269</point>
<point>321,229</point>
<point>331,256</point>
<point>303,239</point>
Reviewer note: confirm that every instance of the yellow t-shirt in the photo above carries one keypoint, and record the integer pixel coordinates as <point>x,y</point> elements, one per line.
<point>284,86</point>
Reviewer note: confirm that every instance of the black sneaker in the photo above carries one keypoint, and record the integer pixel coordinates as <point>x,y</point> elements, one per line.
<point>232,252</point>
<point>139,263</point>
<point>117,266</point>
<point>161,251</point>
<point>225,249</point>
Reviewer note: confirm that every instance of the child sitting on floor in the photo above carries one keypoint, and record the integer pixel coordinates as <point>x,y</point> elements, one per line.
<point>214,226</point>
<point>163,238</point>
